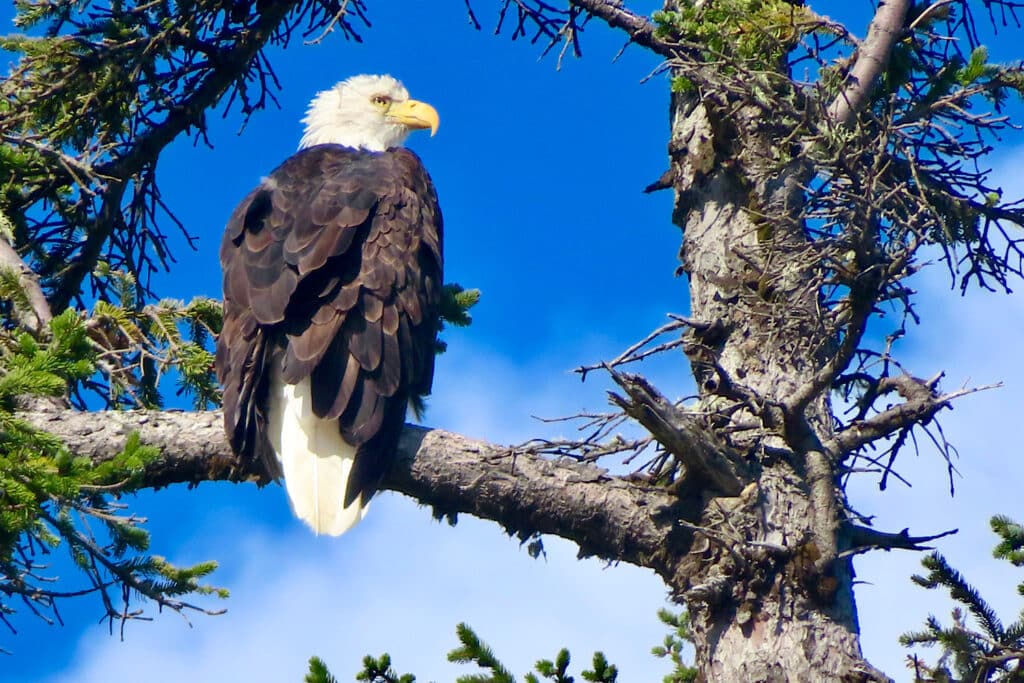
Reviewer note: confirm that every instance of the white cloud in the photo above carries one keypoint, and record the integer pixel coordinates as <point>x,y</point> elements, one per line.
<point>398,583</point>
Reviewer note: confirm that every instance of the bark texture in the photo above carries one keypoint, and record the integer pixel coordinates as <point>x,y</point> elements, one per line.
<point>607,516</point>
<point>787,614</point>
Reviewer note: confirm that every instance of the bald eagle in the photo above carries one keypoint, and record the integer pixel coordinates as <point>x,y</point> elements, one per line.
<point>332,287</point>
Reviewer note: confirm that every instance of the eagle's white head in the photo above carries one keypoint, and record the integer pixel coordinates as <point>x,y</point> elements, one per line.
<point>367,112</point>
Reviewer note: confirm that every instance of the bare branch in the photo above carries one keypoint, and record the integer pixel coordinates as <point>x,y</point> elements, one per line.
<point>338,16</point>
<point>861,539</point>
<point>872,58</point>
<point>615,14</point>
<point>636,352</point>
<point>921,405</point>
<point>232,66</point>
<point>696,448</point>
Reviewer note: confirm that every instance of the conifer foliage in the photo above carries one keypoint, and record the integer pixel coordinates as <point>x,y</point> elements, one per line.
<point>472,650</point>
<point>52,501</point>
<point>977,646</point>
<point>97,92</point>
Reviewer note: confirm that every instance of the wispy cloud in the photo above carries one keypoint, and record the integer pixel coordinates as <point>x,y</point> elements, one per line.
<point>398,583</point>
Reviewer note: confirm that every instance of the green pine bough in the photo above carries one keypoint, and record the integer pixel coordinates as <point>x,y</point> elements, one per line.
<point>977,646</point>
<point>474,651</point>
<point>52,500</point>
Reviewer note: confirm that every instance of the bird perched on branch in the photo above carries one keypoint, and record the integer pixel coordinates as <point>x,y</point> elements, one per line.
<point>332,286</point>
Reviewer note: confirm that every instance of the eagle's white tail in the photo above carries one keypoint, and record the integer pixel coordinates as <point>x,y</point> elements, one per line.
<point>315,460</point>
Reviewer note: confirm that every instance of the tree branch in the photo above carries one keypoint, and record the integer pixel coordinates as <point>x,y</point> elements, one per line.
<point>640,30</point>
<point>606,516</point>
<point>861,539</point>
<point>39,317</point>
<point>231,67</point>
<point>921,404</point>
<point>696,448</point>
<point>872,59</point>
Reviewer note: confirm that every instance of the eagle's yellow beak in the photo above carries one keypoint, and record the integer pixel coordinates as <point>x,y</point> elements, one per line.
<point>415,114</point>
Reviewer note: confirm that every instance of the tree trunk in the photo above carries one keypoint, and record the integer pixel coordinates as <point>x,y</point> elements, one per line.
<point>770,596</point>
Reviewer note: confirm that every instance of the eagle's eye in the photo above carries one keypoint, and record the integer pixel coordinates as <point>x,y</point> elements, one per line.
<point>381,100</point>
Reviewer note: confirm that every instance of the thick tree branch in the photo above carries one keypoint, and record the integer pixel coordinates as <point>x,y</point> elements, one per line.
<point>606,516</point>
<point>640,30</point>
<point>872,58</point>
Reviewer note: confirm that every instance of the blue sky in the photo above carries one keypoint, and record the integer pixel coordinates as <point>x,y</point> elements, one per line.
<point>540,173</point>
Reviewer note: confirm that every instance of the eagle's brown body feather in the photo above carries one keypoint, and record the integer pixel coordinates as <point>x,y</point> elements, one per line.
<point>332,272</point>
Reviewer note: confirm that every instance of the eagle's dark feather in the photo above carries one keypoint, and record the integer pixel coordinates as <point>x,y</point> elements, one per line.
<point>332,271</point>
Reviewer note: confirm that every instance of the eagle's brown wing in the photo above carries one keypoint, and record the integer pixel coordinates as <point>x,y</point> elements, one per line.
<point>332,271</point>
